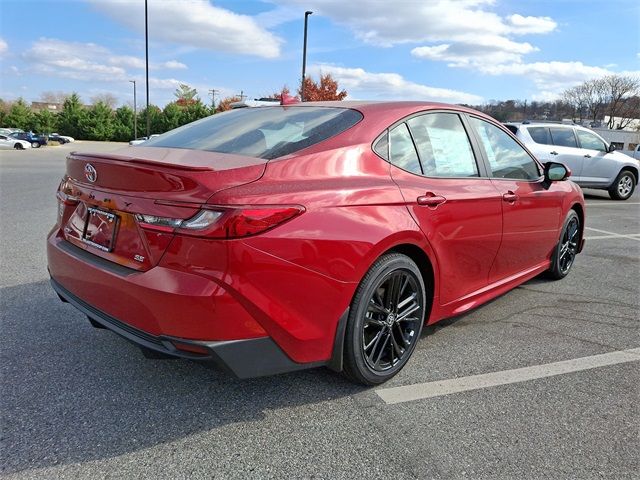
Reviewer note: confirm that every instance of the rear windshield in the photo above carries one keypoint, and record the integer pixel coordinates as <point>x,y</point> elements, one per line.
<point>264,132</point>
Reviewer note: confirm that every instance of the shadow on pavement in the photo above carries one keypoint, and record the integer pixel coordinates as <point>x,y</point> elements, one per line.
<point>72,393</point>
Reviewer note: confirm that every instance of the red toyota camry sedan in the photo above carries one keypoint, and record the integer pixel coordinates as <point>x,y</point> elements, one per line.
<point>279,238</point>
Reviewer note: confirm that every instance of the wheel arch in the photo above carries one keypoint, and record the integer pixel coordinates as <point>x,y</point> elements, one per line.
<point>579,209</point>
<point>631,169</point>
<point>428,270</point>
<point>422,260</point>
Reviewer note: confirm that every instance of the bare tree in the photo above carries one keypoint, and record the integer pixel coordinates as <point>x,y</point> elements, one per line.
<point>628,112</point>
<point>53,97</point>
<point>594,94</point>
<point>575,97</point>
<point>620,89</point>
<point>106,98</point>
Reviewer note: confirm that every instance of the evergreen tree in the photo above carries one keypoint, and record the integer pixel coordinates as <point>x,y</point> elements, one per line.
<point>100,123</point>
<point>123,124</point>
<point>171,116</point>
<point>44,122</point>
<point>194,112</point>
<point>19,116</point>
<point>155,121</point>
<point>72,119</point>
<point>4,111</point>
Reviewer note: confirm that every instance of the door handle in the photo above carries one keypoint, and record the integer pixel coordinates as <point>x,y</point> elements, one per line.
<point>553,153</point>
<point>510,197</point>
<point>430,199</point>
<point>587,156</point>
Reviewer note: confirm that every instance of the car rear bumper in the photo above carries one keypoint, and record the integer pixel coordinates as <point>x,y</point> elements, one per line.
<point>254,357</point>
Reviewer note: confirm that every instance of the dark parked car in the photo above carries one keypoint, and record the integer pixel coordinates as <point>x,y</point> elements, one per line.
<point>32,138</point>
<point>54,137</point>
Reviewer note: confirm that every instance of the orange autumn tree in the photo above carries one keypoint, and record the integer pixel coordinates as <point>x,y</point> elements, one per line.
<point>225,103</point>
<point>326,89</point>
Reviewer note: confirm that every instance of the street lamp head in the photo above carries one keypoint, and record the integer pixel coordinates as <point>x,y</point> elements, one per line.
<point>308,12</point>
<point>132,81</point>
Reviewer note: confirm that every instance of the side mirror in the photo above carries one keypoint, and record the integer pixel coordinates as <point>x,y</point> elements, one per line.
<point>611,148</point>
<point>554,172</point>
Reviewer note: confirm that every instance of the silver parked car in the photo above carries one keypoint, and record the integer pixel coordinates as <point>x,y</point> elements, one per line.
<point>593,162</point>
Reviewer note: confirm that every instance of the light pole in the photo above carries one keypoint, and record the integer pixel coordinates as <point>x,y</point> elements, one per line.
<point>304,54</point>
<point>135,111</point>
<point>146,47</point>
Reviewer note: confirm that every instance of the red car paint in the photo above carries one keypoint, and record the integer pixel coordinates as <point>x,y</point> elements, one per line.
<point>293,283</point>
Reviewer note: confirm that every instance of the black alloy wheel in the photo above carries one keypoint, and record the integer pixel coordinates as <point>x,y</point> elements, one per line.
<point>385,320</point>
<point>567,248</point>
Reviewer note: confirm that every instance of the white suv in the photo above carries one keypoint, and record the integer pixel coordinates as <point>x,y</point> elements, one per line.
<point>593,162</point>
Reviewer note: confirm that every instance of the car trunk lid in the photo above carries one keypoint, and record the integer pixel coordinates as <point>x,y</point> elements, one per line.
<point>109,189</point>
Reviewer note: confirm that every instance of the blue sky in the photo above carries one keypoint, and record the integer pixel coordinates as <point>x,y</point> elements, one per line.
<point>460,51</point>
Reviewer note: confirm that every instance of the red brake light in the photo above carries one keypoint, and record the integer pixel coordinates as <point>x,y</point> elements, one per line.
<point>223,222</point>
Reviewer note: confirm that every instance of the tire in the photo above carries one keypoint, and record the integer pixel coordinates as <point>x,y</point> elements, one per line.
<point>623,186</point>
<point>384,327</point>
<point>565,252</point>
<point>18,146</point>
<point>35,145</point>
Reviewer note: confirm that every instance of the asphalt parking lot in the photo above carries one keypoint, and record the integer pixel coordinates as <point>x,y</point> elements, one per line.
<point>82,403</point>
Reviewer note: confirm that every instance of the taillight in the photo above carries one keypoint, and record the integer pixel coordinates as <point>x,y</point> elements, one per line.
<point>65,192</point>
<point>65,197</point>
<point>223,222</point>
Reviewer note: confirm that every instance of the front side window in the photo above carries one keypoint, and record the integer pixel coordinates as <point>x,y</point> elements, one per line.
<point>507,158</point>
<point>402,150</point>
<point>590,141</point>
<point>264,132</point>
<point>443,145</point>
<point>563,137</point>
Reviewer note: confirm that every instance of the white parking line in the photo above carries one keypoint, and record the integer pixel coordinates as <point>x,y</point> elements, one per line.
<point>602,237</point>
<point>609,204</point>
<point>632,236</point>
<point>420,391</point>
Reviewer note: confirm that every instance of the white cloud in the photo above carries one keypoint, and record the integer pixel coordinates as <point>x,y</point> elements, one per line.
<point>485,49</point>
<point>174,65</point>
<point>387,23</point>
<point>196,23</point>
<point>72,60</point>
<point>128,61</point>
<point>3,46</point>
<point>78,61</point>
<point>550,77</point>
<point>389,86</point>
<point>520,25</point>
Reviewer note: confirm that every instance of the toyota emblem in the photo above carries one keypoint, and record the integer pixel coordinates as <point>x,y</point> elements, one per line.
<point>90,173</point>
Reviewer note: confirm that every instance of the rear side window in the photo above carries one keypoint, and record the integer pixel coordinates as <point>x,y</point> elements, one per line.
<point>443,145</point>
<point>382,146</point>
<point>506,157</point>
<point>403,153</point>
<point>563,137</point>
<point>264,132</point>
<point>540,135</point>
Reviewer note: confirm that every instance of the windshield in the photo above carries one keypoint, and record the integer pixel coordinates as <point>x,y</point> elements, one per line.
<point>264,132</point>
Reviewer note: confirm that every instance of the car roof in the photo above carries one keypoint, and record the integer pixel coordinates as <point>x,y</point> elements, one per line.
<point>389,111</point>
